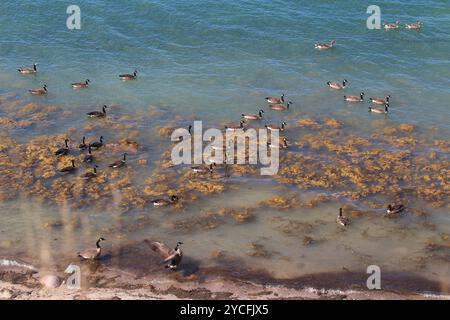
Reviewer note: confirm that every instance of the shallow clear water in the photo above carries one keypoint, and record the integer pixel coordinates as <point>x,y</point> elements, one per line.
<point>213,61</point>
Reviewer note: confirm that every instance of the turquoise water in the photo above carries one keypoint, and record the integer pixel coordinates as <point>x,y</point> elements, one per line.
<point>217,59</point>
<point>213,61</point>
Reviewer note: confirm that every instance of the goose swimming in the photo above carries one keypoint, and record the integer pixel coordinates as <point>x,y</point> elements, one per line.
<point>28,70</point>
<point>324,46</point>
<point>275,100</point>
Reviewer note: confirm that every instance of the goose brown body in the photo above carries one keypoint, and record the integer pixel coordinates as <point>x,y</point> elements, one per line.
<point>173,256</point>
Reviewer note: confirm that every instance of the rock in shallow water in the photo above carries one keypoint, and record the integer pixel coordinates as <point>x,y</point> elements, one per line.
<point>50,281</point>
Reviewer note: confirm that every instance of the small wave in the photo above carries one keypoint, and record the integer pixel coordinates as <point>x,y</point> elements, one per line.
<point>14,263</point>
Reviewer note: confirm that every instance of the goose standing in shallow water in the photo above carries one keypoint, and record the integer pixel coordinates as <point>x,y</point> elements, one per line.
<point>253,116</point>
<point>173,256</point>
<point>63,151</point>
<point>380,101</point>
<point>337,86</point>
<point>274,127</point>
<point>392,26</point>
<point>324,46</point>
<point>275,100</point>
<point>97,144</point>
<point>90,175</point>
<point>39,92</point>
<point>355,98</point>
<point>69,169</point>
<point>341,219</point>
<point>28,70</point>
<point>382,111</point>
<point>81,85</point>
<point>83,144</point>
<point>89,157</point>
<point>98,114</point>
<point>280,106</point>
<point>127,77</point>
<point>394,209</point>
<point>119,163</point>
<point>92,253</point>
<point>165,202</point>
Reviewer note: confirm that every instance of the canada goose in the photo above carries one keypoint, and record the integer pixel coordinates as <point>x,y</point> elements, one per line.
<point>235,127</point>
<point>414,26</point>
<point>180,138</point>
<point>173,256</point>
<point>355,98</point>
<point>337,86</point>
<point>69,169</point>
<point>81,85</point>
<point>280,107</point>
<point>97,144</point>
<point>63,151</point>
<point>283,145</point>
<point>383,111</point>
<point>98,114</point>
<point>89,157</point>
<point>392,26</point>
<point>341,219</point>
<point>119,163</point>
<point>274,127</point>
<point>165,202</point>
<point>126,77</point>
<point>275,100</point>
<point>394,209</point>
<point>380,101</point>
<point>90,175</point>
<point>28,70</point>
<point>253,116</point>
<point>322,46</point>
<point>39,92</point>
<point>83,144</point>
<point>92,253</point>
<point>203,169</point>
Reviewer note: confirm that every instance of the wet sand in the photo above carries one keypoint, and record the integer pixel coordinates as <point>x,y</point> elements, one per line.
<point>133,273</point>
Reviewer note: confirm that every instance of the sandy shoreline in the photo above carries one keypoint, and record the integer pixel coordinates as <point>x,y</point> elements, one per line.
<point>106,283</point>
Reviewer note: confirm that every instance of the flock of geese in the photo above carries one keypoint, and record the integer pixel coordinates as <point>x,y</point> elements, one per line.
<point>173,257</point>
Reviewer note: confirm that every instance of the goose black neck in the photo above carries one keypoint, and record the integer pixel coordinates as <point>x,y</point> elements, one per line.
<point>98,243</point>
